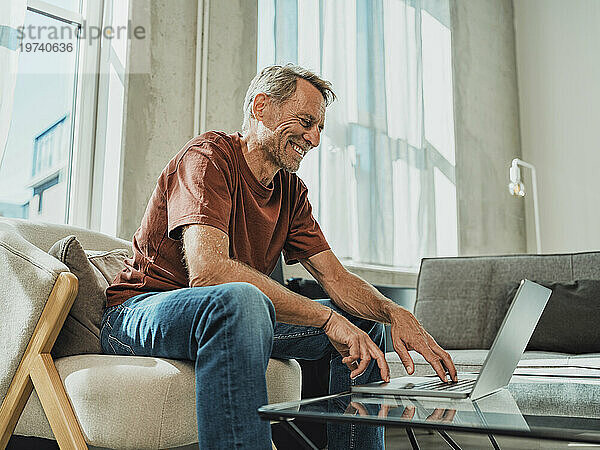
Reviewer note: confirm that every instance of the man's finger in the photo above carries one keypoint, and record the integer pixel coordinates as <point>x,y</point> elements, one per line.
<point>364,363</point>
<point>404,357</point>
<point>436,363</point>
<point>444,356</point>
<point>348,360</point>
<point>352,354</point>
<point>350,363</point>
<point>434,360</point>
<point>384,368</point>
<point>354,350</point>
<point>365,358</point>
<point>449,364</point>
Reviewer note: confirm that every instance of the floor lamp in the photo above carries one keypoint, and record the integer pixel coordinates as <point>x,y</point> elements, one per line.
<point>517,188</point>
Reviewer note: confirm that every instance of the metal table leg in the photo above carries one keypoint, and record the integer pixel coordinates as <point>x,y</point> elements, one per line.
<point>451,442</point>
<point>298,435</point>
<point>494,442</point>
<point>412,438</point>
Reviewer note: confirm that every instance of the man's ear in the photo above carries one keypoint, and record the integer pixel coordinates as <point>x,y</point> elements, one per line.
<point>259,105</point>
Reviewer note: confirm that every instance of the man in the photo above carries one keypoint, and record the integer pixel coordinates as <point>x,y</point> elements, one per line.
<point>197,288</point>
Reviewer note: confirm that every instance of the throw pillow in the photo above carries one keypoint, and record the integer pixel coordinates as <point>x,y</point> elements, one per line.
<point>81,331</point>
<point>569,324</point>
<point>108,263</point>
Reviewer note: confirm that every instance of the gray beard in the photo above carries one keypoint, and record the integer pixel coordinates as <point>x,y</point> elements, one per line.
<point>277,155</point>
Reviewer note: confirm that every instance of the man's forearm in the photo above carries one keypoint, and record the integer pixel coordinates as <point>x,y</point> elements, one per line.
<point>356,296</point>
<point>289,306</point>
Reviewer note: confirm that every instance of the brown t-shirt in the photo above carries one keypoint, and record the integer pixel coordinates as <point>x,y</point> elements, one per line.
<point>209,182</point>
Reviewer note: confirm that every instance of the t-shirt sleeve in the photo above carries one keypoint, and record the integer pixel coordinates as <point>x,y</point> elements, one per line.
<point>305,237</point>
<point>198,190</point>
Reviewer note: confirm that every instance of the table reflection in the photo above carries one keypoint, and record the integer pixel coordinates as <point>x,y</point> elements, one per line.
<point>498,410</point>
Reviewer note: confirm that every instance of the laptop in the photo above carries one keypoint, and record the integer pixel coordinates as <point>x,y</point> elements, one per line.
<point>502,359</point>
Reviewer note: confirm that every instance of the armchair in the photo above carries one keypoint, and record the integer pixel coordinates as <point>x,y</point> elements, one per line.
<point>107,401</point>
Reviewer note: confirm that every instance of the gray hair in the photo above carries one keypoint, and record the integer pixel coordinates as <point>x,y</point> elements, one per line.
<point>279,83</point>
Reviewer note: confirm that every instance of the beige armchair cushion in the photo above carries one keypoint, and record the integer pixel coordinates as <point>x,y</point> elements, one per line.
<point>138,402</point>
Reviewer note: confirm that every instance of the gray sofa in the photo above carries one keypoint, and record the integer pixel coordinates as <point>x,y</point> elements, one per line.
<point>119,401</point>
<point>462,302</point>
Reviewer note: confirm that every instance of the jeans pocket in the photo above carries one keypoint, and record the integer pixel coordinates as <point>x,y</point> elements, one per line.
<point>119,348</point>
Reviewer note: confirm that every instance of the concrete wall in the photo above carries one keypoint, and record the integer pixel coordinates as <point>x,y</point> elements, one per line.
<point>486,117</point>
<point>159,111</point>
<point>558,60</point>
<point>231,62</point>
<point>160,108</point>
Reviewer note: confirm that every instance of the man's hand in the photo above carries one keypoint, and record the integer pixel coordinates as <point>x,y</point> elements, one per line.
<point>409,334</point>
<point>355,295</point>
<point>355,345</point>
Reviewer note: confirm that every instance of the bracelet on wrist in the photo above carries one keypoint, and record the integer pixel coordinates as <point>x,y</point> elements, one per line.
<point>330,314</point>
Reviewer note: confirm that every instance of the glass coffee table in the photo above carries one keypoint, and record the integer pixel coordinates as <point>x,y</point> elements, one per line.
<point>543,407</point>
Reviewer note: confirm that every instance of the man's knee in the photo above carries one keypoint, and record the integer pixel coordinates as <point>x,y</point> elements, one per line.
<point>248,302</point>
<point>235,311</point>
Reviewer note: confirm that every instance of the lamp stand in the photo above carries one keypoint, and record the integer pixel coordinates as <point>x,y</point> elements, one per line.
<point>536,212</point>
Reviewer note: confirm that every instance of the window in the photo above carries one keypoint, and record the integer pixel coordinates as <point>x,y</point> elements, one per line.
<point>35,168</point>
<point>47,142</point>
<point>382,181</point>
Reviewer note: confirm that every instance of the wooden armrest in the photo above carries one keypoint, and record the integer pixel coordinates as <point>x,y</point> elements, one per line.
<point>37,369</point>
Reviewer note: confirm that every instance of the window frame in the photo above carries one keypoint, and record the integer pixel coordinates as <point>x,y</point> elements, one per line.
<point>107,61</point>
<point>82,132</point>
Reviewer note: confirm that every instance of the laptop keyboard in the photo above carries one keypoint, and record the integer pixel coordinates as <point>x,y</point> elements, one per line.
<point>436,385</point>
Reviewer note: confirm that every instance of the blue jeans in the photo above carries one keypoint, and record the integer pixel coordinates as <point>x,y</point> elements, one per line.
<point>230,332</point>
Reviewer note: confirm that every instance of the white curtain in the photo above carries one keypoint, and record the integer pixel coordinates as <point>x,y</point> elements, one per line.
<point>12,16</point>
<point>372,181</point>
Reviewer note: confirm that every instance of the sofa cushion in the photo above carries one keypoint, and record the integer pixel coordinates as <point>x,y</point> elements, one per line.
<point>155,409</point>
<point>570,320</point>
<point>81,331</point>
<point>554,397</point>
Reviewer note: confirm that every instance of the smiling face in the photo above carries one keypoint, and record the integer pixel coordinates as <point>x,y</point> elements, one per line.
<point>290,129</point>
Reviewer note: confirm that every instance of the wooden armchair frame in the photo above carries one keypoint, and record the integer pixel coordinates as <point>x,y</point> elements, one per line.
<point>37,370</point>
